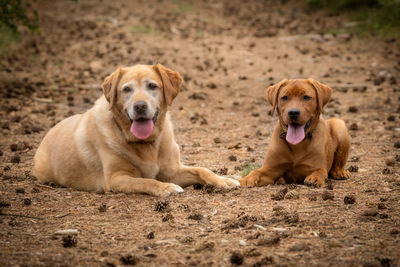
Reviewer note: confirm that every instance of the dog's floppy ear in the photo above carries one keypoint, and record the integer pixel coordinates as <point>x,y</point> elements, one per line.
<point>322,91</point>
<point>110,86</point>
<point>172,82</point>
<point>272,93</point>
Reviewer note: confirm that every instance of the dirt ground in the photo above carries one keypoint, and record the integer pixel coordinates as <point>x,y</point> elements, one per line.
<point>228,52</point>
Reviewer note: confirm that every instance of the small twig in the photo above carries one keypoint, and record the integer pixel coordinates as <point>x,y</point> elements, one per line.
<point>20,215</point>
<point>62,215</point>
<point>320,206</point>
<point>303,237</point>
<point>127,206</point>
<point>46,186</point>
<point>43,100</point>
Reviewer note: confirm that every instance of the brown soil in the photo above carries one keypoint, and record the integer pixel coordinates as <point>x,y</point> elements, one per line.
<point>228,52</point>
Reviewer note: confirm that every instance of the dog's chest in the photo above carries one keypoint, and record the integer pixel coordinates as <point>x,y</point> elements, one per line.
<point>303,165</point>
<point>149,170</point>
<point>145,161</point>
<point>297,173</point>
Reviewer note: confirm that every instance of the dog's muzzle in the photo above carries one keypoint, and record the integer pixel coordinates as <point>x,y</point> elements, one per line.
<point>154,119</point>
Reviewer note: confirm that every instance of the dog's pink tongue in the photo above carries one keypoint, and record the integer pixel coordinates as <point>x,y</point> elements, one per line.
<point>142,129</point>
<point>295,134</point>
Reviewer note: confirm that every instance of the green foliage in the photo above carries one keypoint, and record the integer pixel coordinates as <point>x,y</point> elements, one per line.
<point>142,29</point>
<point>7,37</point>
<point>343,4</point>
<point>15,12</point>
<point>247,168</point>
<point>381,16</point>
<point>182,8</point>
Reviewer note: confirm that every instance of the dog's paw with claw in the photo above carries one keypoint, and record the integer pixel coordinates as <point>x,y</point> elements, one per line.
<point>167,189</point>
<point>250,180</point>
<point>314,180</point>
<point>339,174</point>
<point>227,183</point>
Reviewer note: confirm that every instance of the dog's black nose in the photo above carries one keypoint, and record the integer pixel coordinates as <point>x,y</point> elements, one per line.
<point>140,107</point>
<point>294,113</point>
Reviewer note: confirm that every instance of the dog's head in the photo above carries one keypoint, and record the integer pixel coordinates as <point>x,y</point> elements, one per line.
<point>139,96</point>
<point>299,103</point>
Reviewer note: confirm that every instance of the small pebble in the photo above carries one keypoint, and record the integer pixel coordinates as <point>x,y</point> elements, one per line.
<point>292,218</point>
<point>150,235</point>
<point>312,197</point>
<point>280,195</point>
<point>391,118</point>
<point>381,206</point>
<point>103,207</point>
<point>349,199</point>
<point>128,259</point>
<point>292,195</point>
<point>20,190</point>
<point>104,253</point>
<point>27,201</point>
<point>252,252</point>
<point>209,188</point>
<point>370,212</point>
<point>15,159</point>
<point>236,258</point>
<point>269,240</point>
<point>327,195</point>
<point>299,247</point>
<point>67,232</point>
<point>394,232</point>
<point>161,205</point>
<point>353,168</point>
<point>232,158</point>
<point>354,127</point>
<point>354,159</point>
<point>353,109</point>
<point>198,186</point>
<point>4,204</point>
<point>69,241</point>
<point>168,217</point>
<point>390,162</point>
<point>14,147</point>
<point>195,216</point>
<point>383,216</point>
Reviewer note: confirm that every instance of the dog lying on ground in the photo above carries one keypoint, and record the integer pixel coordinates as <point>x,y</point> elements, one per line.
<point>303,146</point>
<point>125,142</point>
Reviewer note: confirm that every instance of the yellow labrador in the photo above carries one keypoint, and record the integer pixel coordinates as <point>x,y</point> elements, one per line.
<point>125,142</point>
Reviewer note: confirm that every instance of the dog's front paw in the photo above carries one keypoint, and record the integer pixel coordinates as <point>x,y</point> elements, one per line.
<point>250,180</point>
<point>166,189</point>
<point>314,180</point>
<point>339,174</point>
<point>228,183</point>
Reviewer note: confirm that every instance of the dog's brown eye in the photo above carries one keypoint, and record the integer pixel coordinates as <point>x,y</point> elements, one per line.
<point>127,89</point>
<point>306,97</point>
<point>152,86</point>
<point>285,97</point>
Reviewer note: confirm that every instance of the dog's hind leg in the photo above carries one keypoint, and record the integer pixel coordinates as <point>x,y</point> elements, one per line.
<point>340,133</point>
